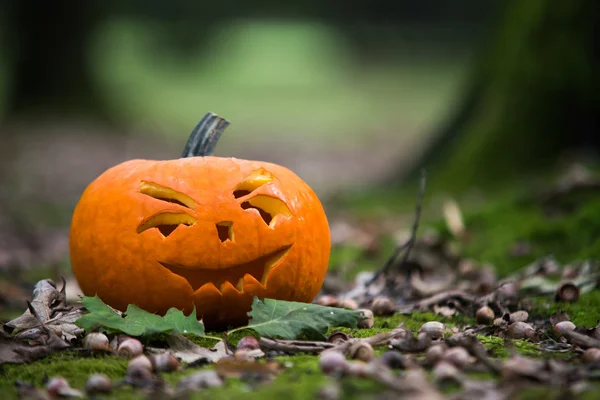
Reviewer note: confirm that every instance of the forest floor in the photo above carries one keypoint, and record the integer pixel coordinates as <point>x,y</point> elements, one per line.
<point>532,241</point>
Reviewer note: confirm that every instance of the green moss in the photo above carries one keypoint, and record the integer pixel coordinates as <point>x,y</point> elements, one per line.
<point>69,364</point>
<point>584,312</point>
<point>500,348</point>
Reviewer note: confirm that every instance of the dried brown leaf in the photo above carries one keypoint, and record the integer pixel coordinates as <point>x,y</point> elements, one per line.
<point>189,352</point>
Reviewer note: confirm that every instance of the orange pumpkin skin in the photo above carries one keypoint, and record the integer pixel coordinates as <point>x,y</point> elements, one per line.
<point>241,229</point>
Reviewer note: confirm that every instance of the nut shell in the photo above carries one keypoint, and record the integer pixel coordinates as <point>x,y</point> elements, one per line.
<point>564,326</point>
<point>98,384</point>
<point>383,306</point>
<point>96,341</point>
<point>434,329</point>
<point>368,321</point>
<point>333,362</point>
<point>164,362</point>
<point>362,351</point>
<point>130,348</point>
<point>520,330</point>
<point>485,315</point>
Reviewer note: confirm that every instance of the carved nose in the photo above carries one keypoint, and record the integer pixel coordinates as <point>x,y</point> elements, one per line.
<point>225,230</point>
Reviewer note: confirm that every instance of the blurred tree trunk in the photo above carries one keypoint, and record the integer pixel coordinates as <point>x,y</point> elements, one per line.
<point>49,42</point>
<point>533,95</point>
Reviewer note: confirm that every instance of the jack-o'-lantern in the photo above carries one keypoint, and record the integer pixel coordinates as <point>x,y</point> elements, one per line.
<point>199,231</point>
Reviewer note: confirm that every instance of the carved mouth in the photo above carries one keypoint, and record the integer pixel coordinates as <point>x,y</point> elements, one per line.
<point>238,276</point>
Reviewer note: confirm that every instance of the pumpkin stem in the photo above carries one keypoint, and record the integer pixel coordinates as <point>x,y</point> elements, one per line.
<point>205,136</point>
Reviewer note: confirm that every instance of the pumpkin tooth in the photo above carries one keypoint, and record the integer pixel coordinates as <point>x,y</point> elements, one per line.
<point>240,285</point>
<point>252,285</point>
<point>228,287</point>
<point>208,289</point>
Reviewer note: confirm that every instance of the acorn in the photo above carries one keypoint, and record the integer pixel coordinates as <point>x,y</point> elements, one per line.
<point>520,330</point>
<point>362,351</point>
<point>130,348</point>
<point>423,341</point>
<point>567,291</point>
<point>164,362</point>
<point>337,337</point>
<point>328,301</point>
<point>434,329</point>
<point>564,326</point>
<point>444,371</point>
<point>383,306</point>
<point>139,371</point>
<point>485,315</point>
<point>332,362</point>
<point>435,353</point>
<point>458,356</point>
<point>367,320</point>
<point>98,384</point>
<point>57,385</point>
<point>248,343</point>
<point>518,316</point>
<point>348,303</point>
<point>591,356</point>
<point>96,341</point>
<point>139,362</point>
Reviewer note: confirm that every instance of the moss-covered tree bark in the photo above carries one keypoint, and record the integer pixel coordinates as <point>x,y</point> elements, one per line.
<point>533,95</point>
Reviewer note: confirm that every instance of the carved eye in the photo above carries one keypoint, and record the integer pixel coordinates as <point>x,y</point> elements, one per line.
<point>164,193</point>
<point>252,182</point>
<point>265,206</point>
<point>166,222</point>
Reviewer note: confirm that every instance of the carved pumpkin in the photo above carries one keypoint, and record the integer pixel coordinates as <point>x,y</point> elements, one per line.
<point>199,231</point>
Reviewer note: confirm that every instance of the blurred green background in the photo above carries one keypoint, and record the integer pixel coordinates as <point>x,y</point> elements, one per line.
<point>343,94</point>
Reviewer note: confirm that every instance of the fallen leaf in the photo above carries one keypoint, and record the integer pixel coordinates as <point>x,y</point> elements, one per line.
<point>137,322</point>
<point>16,351</point>
<point>189,352</point>
<point>46,326</point>
<point>286,319</point>
<point>45,298</point>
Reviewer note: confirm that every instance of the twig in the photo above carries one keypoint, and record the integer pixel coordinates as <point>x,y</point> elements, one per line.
<point>439,298</point>
<point>581,340</point>
<point>385,337</point>
<point>406,246</point>
<point>295,346</point>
